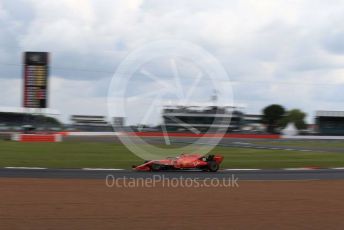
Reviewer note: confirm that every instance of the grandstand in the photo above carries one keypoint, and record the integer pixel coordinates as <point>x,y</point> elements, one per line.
<point>14,121</point>
<point>253,119</point>
<point>330,122</point>
<point>90,123</point>
<point>201,118</point>
<point>253,123</point>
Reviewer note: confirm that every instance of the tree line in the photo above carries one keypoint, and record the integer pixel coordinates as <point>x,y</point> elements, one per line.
<point>276,117</point>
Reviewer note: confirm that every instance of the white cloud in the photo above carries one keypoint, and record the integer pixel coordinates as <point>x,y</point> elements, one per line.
<point>78,97</point>
<point>267,41</point>
<point>10,92</point>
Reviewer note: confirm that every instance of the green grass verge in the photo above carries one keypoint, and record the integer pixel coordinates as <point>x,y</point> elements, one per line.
<point>314,144</point>
<point>113,155</point>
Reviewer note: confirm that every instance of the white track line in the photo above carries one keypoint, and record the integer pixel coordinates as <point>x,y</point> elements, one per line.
<point>241,169</point>
<point>101,169</point>
<point>338,168</point>
<point>290,169</point>
<point>241,143</point>
<point>24,168</point>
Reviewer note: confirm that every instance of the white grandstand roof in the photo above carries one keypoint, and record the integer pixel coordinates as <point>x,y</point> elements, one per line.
<point>330,113</point>
<point>28,110</point>
<point>202,104</point>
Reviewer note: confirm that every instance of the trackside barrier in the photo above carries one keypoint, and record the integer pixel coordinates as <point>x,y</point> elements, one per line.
<point>37,137</point>
<point>64,134</point>
<point>16,136</point>
<point>313,137</point>
<point>207,135</point>
<point>91,133</point>
<point>161,134</point>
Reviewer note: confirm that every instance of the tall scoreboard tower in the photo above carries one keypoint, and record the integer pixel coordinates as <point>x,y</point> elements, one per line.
<point>36,72</point>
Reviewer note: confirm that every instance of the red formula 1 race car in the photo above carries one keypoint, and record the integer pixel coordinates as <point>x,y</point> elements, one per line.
<point>209,163</point>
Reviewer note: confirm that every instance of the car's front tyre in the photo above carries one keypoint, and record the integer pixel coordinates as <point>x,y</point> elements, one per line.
<point>155,167</point>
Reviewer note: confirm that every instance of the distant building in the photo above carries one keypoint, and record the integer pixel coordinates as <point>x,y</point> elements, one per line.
<point>330,122</point>
<point>90,123</point>
<point>201,118</point>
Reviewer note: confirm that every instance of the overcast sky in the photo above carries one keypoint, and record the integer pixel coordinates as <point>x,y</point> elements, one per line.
<point>287,52</point>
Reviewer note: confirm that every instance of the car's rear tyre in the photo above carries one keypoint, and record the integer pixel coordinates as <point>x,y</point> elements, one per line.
<point>213,166</point>
<point>155,167</point>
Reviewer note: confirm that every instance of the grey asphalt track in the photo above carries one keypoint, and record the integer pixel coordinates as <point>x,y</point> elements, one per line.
<point>299,174</point>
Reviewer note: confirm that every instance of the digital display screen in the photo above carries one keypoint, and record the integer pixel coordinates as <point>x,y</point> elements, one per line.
<point>36,71</point>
